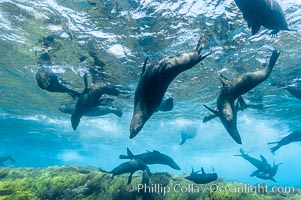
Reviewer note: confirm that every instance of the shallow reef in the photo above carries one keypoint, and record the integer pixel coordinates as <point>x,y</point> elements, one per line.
<point>73,182</point>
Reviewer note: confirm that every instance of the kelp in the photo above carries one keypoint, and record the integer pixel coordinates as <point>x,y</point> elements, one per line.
<point>73,182</point>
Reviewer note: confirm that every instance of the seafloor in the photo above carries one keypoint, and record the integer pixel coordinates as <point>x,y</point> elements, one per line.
<point>72,182</point>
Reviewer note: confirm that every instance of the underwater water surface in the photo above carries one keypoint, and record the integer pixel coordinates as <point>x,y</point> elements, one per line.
<point>122,34</point>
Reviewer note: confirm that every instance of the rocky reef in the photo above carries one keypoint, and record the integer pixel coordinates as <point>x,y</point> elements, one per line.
<point>73,182</point>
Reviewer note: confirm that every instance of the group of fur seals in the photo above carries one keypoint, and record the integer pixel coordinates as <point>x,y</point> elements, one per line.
<point>232,90</point>
<point>140,161</point>
<point>264,169</point>
<point>154,81</point>
<point>266,13</point>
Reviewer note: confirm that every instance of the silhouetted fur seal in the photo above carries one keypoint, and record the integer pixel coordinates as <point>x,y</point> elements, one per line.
<point>266,13</point>
<point>130,167</point>
<point>262,165</point>
<point>187,133</point>
<point>293,137</point>
<point>47,80</point>
<point>270,174</point>
<point>91,98</point>
<point>5,158</point>
<point>152,157</point>
<point>154,82</point>
<point>232,90</point>
<point>203,178</point>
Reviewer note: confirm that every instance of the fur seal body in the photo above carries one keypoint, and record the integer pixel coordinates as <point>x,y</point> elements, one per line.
<point>261,165</point>
<point>187,133</point>
<point>51,82</point>
<point>154,82</point>
<point>201,178</point>
<point>232,90</point>
<point>5,158</point>
<point>154,157</point>
<point>266,13</point>
<point>130,167</point>
<point>293,137</point>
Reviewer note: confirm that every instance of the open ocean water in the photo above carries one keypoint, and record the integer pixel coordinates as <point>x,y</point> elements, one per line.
<point>122,33</point>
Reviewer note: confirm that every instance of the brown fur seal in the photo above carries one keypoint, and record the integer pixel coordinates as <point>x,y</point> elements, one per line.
<point>266,13</point>
<point>47,80</point>
<point>90,98</point>
<point>232,90</point>
<point>154,82</point>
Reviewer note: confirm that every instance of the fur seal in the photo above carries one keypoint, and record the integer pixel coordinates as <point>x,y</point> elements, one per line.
<point>270,174</point>
<point>5,158</point>
<point>203,178</point>
<point>90,98</point>
<point>293,137</point>
<point>187,133</point>
<point>130,167</point>
<point>154,81</point>
<point>47,80</point>
<point>261,165</point>
<point>231,90</point>
<point>266,13</point>
<point>154,157</point>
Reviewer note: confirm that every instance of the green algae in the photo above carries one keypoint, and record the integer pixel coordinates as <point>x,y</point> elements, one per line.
<point>72,182</point>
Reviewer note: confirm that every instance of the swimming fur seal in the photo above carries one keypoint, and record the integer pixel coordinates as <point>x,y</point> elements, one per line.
<point>187,133</point>
<point>231,90</point>
<point>5,158</point>
<point>130,167</point>
<point>293,137</point>
<point>154,157</point>
<point>47,80</point>
<point>90,98</point>
<point>270,174</point>
<point>154,81</point>
<point>261,165</point>
<point>266,13</point>
<point>201,178</point>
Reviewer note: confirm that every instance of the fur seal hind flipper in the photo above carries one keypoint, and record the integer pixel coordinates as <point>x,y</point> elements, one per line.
<point>242,103</point>
<point>273,58</point>
<point>255,173</point>
<point>130,154</point>
<point>130,178</point>
<point>255,27</point>
<point>212,110</point>
<point>144,66</point>
<point>224,80</point>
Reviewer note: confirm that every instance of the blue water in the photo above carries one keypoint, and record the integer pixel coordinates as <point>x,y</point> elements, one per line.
<point>123,33</point>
